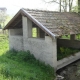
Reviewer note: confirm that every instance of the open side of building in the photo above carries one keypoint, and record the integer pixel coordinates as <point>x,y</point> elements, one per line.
<point>39,31</point>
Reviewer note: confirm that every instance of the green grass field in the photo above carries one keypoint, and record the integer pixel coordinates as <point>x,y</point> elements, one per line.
<point>21,65</point>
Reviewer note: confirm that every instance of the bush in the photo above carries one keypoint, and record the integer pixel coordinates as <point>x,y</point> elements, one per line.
<point>25,56</point>
<point>20,55</point>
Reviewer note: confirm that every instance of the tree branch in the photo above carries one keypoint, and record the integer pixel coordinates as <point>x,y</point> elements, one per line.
<point>55,2</point>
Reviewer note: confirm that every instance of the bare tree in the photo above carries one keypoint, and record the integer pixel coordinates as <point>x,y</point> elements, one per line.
<point>60,6</point>
<point>63,4</point>
<point>70,5</point>
<point>3,16</point>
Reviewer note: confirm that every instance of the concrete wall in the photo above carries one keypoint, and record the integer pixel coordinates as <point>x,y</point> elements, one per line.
<point>43,49</point>
<point>68,43</point>
<point>68,60</point>
<point>15,42</point>
<point>16,31</point>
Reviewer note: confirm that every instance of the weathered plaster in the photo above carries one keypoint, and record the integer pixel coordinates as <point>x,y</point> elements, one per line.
<point>16,42</point>
<point>16,32</point>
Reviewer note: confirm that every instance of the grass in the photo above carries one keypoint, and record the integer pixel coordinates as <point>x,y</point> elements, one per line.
<point>34,32</point>
<point>66,52</point>
<point>77,37</point>
<point>65,37</point>
<point>21,65</point>
<point>3,44</point>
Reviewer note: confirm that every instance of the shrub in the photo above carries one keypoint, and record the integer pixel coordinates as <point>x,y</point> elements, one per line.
<point>20,55</point>
<point>25,56</point>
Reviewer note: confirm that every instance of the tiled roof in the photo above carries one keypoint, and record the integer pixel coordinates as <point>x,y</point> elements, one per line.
<point>59,23</point>
<point>53,23</point>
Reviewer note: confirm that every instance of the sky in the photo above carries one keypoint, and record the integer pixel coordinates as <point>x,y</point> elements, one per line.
<point>13,6</point>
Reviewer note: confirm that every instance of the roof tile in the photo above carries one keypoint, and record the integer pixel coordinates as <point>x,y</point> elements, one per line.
<point>59,23</point>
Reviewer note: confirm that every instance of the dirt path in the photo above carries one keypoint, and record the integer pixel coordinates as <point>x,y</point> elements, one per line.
<point>71,72</point>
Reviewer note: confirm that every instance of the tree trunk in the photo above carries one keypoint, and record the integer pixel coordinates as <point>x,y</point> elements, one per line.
<point>70,5</point>
<point>79,6</point>
<point>60,6</point>
<point>65,5</point>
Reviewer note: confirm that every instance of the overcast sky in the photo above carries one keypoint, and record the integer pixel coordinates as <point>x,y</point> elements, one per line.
<point>14,5</point>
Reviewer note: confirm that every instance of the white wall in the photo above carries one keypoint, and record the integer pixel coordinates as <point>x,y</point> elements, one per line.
<point>15,42</point>
<point>16,31</point>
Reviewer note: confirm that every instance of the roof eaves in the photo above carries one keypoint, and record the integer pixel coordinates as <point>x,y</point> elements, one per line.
<point>39,24</point>
<point>19,12</point>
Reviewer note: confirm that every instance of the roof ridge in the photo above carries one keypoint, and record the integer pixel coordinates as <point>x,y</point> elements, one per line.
<point>39,10</point>
<point>45,10</point>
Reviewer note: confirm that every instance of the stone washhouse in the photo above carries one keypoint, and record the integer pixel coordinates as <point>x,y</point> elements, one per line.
<point>40,32</point>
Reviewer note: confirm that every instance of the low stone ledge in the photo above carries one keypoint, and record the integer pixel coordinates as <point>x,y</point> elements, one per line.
<point>66,61</point>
